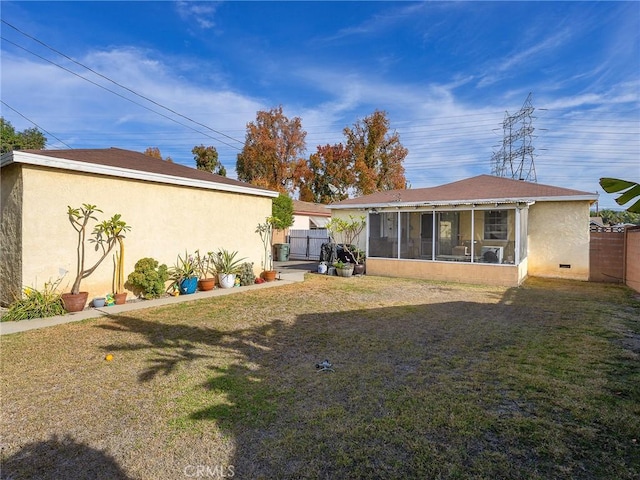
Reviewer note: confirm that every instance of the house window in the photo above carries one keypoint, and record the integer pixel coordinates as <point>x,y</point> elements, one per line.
<point>496,224</point>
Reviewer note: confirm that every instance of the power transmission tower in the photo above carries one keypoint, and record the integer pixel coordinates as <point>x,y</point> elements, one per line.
<point>515,157</point>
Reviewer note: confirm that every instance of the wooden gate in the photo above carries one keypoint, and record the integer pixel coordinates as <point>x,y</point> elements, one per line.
<point>305,244</point>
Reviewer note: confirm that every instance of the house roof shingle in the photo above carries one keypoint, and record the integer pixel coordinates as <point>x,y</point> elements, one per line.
<point>479,189</point>
<point>119,161</point>
<point>312,209</point>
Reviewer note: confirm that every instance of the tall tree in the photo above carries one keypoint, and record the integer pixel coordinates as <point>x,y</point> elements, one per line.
<point>377,155</point>
<point>272,151</point>
<point>327,176</point>
<point>154,152</point>
<point>28,139</point>
<point>207,159</point>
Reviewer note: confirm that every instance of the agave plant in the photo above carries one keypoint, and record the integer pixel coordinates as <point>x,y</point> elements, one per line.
<point>226,262</point>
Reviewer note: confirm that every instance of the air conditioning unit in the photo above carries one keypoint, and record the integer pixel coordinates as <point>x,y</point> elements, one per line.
<point>498,254</point>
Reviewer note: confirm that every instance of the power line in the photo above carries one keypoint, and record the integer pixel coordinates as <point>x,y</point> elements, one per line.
<point>116,93</point>
<point>37,126</point>
<point>121,96</point>
<point>120,85</point>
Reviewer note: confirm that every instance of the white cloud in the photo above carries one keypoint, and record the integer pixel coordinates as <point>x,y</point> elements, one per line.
<point>200,12</point>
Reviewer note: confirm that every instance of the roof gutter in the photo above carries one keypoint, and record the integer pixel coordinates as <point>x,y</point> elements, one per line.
<point>470,203</point>
<point>84,167</point>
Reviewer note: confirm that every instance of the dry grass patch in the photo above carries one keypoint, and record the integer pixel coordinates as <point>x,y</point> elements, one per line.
<point>431,381</point>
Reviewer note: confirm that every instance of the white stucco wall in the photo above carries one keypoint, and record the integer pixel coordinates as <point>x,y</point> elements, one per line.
<point>559,234</point>
<point>300,222</point>
<point>166,220</point>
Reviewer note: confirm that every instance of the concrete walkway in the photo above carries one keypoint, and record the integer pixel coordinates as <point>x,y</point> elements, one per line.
<point>288,273</point>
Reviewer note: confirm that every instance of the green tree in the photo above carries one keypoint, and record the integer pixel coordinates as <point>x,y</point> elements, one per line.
<point>377,155</point>
<point>207,159</point>
<point>282,212</point>
<point>28,139</point>
<point>272,151</point>
<point>612,217</point>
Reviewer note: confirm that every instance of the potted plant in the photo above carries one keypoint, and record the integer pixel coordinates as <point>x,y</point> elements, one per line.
<point>344,269</point>
<point>118,227</point>
<point>206,271</point>
<point>360,257</point>
<point>104,235</point>
<point>227,266</point>
<point>148,278</point>
<point>246,275</point>
<point>184,274</point>
<point>265,230</point>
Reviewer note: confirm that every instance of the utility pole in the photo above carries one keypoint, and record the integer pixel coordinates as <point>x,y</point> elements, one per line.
<point>515,157</point>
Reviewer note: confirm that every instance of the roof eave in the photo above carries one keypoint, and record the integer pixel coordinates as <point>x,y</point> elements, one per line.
<point>483,201</point>
<point>85,167</point>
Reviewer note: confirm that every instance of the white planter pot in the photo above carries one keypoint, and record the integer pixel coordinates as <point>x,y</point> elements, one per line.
<point>345,272</point>
<point>226,280</point>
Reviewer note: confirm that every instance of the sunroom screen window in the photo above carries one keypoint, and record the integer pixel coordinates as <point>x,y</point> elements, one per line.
<point>383,235</point>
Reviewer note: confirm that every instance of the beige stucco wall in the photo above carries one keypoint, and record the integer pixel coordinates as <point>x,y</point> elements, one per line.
<point>166,220</point>
<point>559,234</point>
<point>504,275</point>
<point>10,233</point>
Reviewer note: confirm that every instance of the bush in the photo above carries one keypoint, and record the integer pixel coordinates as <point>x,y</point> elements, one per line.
<point>246,275</point>
<point>148,278</point>
<point>36,303</point>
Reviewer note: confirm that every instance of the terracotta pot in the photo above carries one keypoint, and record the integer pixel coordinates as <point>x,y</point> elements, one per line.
<point>74,302</point>
<point>120,298</point>
<point>206,284</point>
<point>269,275</point>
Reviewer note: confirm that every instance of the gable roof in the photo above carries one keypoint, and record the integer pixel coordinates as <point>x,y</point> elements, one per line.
<point>117,162</point>
<point>311,209</point>
<point>474,190</point>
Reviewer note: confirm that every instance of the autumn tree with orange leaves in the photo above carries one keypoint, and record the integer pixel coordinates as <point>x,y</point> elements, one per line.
<point>377,155</point>
<point>154,152</point>
<point>328,175</point>
<point>272,151</point>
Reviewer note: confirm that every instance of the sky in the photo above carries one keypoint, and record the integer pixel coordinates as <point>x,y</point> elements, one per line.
<point>174,75</point>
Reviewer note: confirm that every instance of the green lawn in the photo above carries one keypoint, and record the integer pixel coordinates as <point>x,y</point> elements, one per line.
<point>431,381</point>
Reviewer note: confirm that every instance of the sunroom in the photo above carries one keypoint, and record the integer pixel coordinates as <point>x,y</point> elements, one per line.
<point>484,229</point>
<point>490,234</point>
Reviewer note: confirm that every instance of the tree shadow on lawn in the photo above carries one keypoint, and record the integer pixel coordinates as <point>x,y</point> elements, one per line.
<point>419,391</point>
<point>61,459</point>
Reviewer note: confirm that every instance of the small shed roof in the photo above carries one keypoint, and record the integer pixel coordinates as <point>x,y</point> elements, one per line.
<point>474,190</point>
<point>129,164</point>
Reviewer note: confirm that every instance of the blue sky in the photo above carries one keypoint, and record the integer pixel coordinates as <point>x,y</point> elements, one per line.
<point>445,72</point>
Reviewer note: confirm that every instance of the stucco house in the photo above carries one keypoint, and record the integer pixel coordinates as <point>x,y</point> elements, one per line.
<point>309,216</point>
<point>306,216</point>
<point>484,229</point>
<point>170,208</point>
